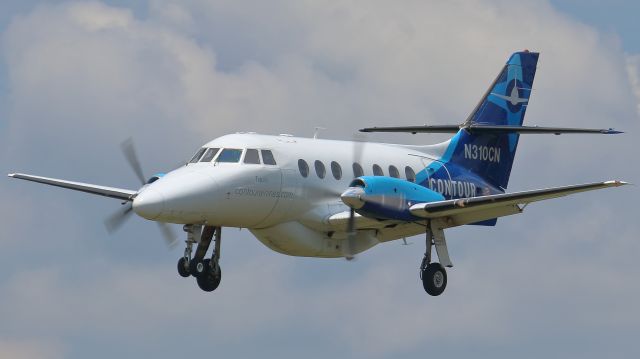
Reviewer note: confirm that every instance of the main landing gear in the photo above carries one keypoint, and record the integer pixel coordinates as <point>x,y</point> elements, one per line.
<point>206,270</point>
<point>434,275</point>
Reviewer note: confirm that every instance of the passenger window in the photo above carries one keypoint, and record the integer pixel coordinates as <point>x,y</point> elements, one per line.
<point>320,170</point>
<point>197,156</point>
<point>209,155</point>
<point>393,172</point>
<point>230,155</point>
<point>411,176</point>
<point>377,171</point>
<point>267,158</point>
<point>336,170</point>
<point>252,157</point>
<point>357,170</point>
<point>303,167</point>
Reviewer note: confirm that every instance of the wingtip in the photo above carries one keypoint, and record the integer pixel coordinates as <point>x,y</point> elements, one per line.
<point>617,183</point>
<point>611,131</point>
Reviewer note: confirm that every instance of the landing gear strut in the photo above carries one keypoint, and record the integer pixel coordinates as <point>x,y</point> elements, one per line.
<point>206,270</point>
<point>433,275</point>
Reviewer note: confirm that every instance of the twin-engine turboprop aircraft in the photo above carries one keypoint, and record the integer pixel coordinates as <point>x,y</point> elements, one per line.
<point>323,198</point>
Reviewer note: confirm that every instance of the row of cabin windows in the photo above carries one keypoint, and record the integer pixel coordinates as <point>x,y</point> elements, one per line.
<point>233,155</point>
<point>336,170</point>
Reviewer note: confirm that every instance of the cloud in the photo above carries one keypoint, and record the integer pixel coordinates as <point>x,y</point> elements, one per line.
<point>23,349</point>
<point>82,76</point>
<point>633,69</point>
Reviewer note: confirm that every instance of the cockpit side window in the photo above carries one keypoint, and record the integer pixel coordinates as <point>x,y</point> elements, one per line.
<point>209,155</point>
<point>252,157</point>
<point>267,158</point>
<point>230,155</point>
<point>197,156</point>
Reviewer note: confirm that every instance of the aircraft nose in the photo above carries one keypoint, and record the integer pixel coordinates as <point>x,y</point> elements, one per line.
<point>148,204</point>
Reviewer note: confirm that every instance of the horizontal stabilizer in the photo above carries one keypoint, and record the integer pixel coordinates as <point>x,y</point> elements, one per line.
<point>490,129</point>
<point>123,194</point>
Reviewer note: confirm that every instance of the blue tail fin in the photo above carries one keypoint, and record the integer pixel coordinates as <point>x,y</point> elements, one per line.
<point>491,155</point>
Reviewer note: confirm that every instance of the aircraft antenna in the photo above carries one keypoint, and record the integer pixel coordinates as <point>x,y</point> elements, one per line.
<point>316,131</point>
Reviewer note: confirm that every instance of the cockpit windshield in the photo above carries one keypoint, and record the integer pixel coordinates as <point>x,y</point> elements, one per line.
<point>209,155</point>
<point>197,156</point>
<point>230,155</point>
<point>233,155</point>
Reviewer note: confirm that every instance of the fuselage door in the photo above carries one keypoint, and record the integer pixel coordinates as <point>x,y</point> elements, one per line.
<point>256,193</point>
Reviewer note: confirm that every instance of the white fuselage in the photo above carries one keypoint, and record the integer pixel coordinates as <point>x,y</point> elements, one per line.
<point>285,210</point>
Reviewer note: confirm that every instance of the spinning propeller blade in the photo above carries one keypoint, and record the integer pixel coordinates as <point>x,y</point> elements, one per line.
<point>350,252</point>
<point>129,152</point>
<point>359,142</point>
<point>117,219</point>
<point>168,234</point>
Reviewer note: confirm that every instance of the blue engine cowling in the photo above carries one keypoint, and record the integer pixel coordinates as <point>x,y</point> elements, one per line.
<point>387,197</point>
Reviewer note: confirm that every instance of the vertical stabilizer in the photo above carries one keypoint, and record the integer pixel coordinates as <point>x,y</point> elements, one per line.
<point>491,155</point>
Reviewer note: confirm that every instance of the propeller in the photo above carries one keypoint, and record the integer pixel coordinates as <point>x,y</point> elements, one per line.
<point>118,218</point>
<point>129,152</point>
<point>359,141</point>
<point>350,252</point>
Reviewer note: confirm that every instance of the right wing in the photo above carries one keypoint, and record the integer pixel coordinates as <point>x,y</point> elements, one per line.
<point>339,221</point>
<point>476,209</point>
<point>119,193</point>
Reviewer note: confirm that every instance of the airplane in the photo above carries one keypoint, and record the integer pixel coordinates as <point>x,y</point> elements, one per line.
<point>326,198</point>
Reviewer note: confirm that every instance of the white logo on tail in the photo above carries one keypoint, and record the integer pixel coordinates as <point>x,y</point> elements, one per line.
<point>514,97</point>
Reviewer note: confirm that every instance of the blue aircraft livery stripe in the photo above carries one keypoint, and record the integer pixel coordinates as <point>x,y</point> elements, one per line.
<point>483,162</point>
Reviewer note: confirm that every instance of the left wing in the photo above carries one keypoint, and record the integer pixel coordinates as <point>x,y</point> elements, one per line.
<point>119,193</point>
<point>475,209</point>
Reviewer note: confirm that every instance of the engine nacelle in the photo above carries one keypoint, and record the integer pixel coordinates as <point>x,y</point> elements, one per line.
<point>386,197</point>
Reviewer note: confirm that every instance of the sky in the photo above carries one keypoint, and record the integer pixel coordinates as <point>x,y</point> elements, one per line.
<point>79,77</point>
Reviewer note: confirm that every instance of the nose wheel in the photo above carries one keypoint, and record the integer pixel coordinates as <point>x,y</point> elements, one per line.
<point>183,267</point>
<point>206,270</point>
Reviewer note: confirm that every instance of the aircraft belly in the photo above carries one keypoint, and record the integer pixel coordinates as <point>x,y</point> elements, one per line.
<point>295,239</point>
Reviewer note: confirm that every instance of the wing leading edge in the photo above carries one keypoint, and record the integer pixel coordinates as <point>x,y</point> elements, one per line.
<point>498,205</point>
<point>119,193</point>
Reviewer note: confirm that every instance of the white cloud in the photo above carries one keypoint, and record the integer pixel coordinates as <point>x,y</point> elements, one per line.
<point>633,69</point>
<point>24,349</point>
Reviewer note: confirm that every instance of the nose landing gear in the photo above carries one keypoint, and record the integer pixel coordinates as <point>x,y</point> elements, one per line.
<point>206,271</point>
